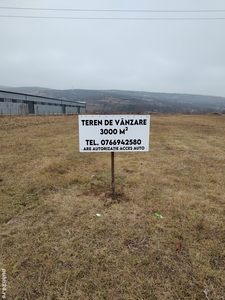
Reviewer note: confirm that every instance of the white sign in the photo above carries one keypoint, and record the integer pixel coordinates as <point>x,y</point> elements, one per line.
<point>114,133</point>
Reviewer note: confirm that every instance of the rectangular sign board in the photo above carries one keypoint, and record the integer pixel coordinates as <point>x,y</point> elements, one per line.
<point>114,133</point>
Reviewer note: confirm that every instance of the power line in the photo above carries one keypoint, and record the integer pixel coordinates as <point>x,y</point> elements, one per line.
<point>115,10</point>
<point>114,18</point>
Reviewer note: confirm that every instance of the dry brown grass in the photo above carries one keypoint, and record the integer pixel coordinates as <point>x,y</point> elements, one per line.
<point>54,247</point>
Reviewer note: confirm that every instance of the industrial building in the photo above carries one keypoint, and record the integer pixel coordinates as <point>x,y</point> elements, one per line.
<point>12,103</point>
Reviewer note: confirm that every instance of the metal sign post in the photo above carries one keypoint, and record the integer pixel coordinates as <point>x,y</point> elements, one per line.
<point>112,170</point>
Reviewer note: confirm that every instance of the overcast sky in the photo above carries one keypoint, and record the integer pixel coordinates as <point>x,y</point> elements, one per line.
<point>177,56</point>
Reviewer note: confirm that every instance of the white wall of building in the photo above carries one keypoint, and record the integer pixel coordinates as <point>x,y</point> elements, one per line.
<point>47,109</point>
<point>10,108</point>
<point>71,110</point>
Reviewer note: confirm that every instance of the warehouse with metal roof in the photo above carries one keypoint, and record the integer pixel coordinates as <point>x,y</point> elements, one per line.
<point>12,103</point>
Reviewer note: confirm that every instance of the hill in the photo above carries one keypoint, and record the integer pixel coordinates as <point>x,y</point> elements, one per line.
<point>118,101</point>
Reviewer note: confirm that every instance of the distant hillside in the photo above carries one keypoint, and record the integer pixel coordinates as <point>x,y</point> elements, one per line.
<point>118,101</point>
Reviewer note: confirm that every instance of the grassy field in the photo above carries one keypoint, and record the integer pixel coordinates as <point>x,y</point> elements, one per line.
<point>53,246</point>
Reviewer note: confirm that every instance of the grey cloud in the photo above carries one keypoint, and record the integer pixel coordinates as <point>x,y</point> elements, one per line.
<point>160,56</point>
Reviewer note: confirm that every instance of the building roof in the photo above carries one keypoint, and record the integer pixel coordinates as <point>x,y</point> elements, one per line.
<point>41,97</point>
